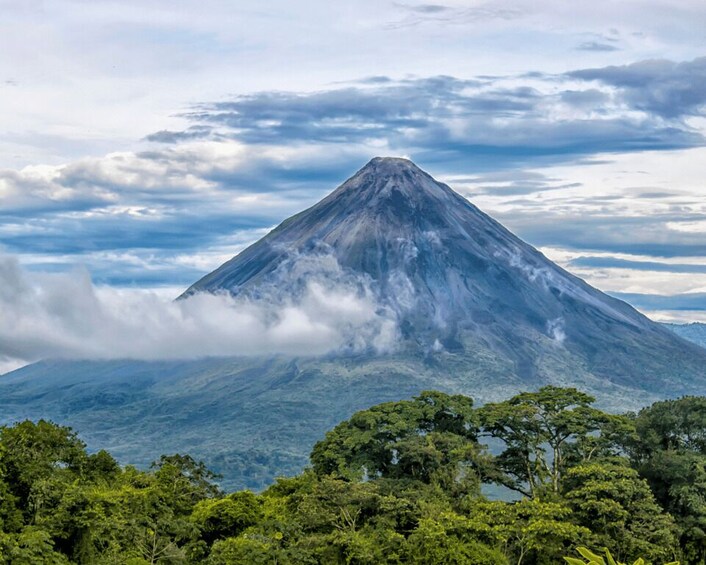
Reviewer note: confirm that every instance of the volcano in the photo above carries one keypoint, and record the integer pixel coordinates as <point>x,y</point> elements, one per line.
<point>475,309</point>
<point>460,282</point>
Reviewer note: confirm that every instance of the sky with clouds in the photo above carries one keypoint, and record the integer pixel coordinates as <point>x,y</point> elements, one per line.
<point>149,141</point>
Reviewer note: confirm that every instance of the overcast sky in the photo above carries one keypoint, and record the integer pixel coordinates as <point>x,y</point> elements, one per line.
<point>149,141</point>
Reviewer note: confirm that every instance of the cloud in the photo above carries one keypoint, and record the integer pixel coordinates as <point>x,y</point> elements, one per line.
<point>191,133</point>
<point>191,197</point>
<point>587,99</point>
<point>38,188</point>
<point>419,14</point>
<point>66,316</point>
<point>134,64</point>
<point>616,262</point>
<point>556,329</point>
<point>425,8</point>
<point>507,120</point>
<point>204,173</point>
<point>509,183</point>
<point>685,302</point>
<point>665,88</point>
<point>648,235</point>
<point>131,216</point>
<point>597,46</point>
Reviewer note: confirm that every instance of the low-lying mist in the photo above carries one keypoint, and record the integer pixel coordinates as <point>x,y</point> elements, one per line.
<point>310,307</point>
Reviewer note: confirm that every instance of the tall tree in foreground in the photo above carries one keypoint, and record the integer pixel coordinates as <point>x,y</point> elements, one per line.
<point>432,439</point>
<point>545,432</point>
<point>527,531</point>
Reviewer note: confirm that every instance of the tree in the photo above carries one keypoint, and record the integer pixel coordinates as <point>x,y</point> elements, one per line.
<point>308,519</point>
<point>670,452</point>
<point>184,480</point>
<point>431,439</point>
<point>219,518</point>
<point>245,551</point>
<point>101,467</point>
<point>29,547</point>
<point>542,431</point>
<point>11,519</point>
<point>591,558</point>
<point>33,454</point>
<point>397,483</point>
<point>448,539</point>
<point>528,531</point>
<point>620,510</point>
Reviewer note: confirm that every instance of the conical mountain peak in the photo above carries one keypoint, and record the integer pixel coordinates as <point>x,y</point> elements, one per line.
<point>395,172</point>
<point>432,256</point>
<point>390,166</point>
<point>394,186</point>
<point>371,223</point>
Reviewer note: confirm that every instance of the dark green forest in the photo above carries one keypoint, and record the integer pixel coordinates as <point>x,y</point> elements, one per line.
<point>401,482</point>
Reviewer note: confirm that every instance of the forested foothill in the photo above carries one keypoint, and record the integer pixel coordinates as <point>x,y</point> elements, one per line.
<point>401,482</point>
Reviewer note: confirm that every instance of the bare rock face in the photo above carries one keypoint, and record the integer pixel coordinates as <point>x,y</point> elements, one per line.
<point>460,282</point>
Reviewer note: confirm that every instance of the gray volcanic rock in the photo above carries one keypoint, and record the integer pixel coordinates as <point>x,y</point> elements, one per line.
<point>459,281</point>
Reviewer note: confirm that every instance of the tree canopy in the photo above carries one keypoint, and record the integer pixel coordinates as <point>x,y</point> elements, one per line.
<point>401,482</point>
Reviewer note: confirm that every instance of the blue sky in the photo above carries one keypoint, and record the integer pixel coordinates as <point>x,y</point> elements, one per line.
<point>150,141</point>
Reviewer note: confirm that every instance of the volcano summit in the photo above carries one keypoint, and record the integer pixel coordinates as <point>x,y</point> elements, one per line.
<point>461,305</point>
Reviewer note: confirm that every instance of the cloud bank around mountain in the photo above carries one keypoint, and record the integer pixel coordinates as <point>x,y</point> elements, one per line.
<point>67,316</point>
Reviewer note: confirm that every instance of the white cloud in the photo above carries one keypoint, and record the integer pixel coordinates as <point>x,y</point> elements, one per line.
<point>78,75</point>
<point>66,316</point>
<point>210,174</point>
<point>676,316</point>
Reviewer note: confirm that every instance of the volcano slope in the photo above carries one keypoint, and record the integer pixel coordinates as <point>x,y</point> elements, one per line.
<point>460,282</point>
<point>474,309</point>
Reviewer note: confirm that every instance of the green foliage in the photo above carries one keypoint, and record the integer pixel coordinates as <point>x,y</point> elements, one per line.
<point>449,539</point>
<point>30,547</point>
<point>544,431</point>
<point>591,558</point>
<point>619,508</point>
<point>35,456</point>
<point>225,517</point>
<point>397,483</point>
<point>431,439</point>
<point>244,551</point>
<point>528,531</point>
<point>670,452</point>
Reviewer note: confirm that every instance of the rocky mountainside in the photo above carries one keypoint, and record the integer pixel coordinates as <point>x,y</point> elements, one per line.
<point>474,310</point>
<point>458,281</point>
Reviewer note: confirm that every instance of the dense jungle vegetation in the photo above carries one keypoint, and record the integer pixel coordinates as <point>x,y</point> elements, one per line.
<point>401,482</point>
